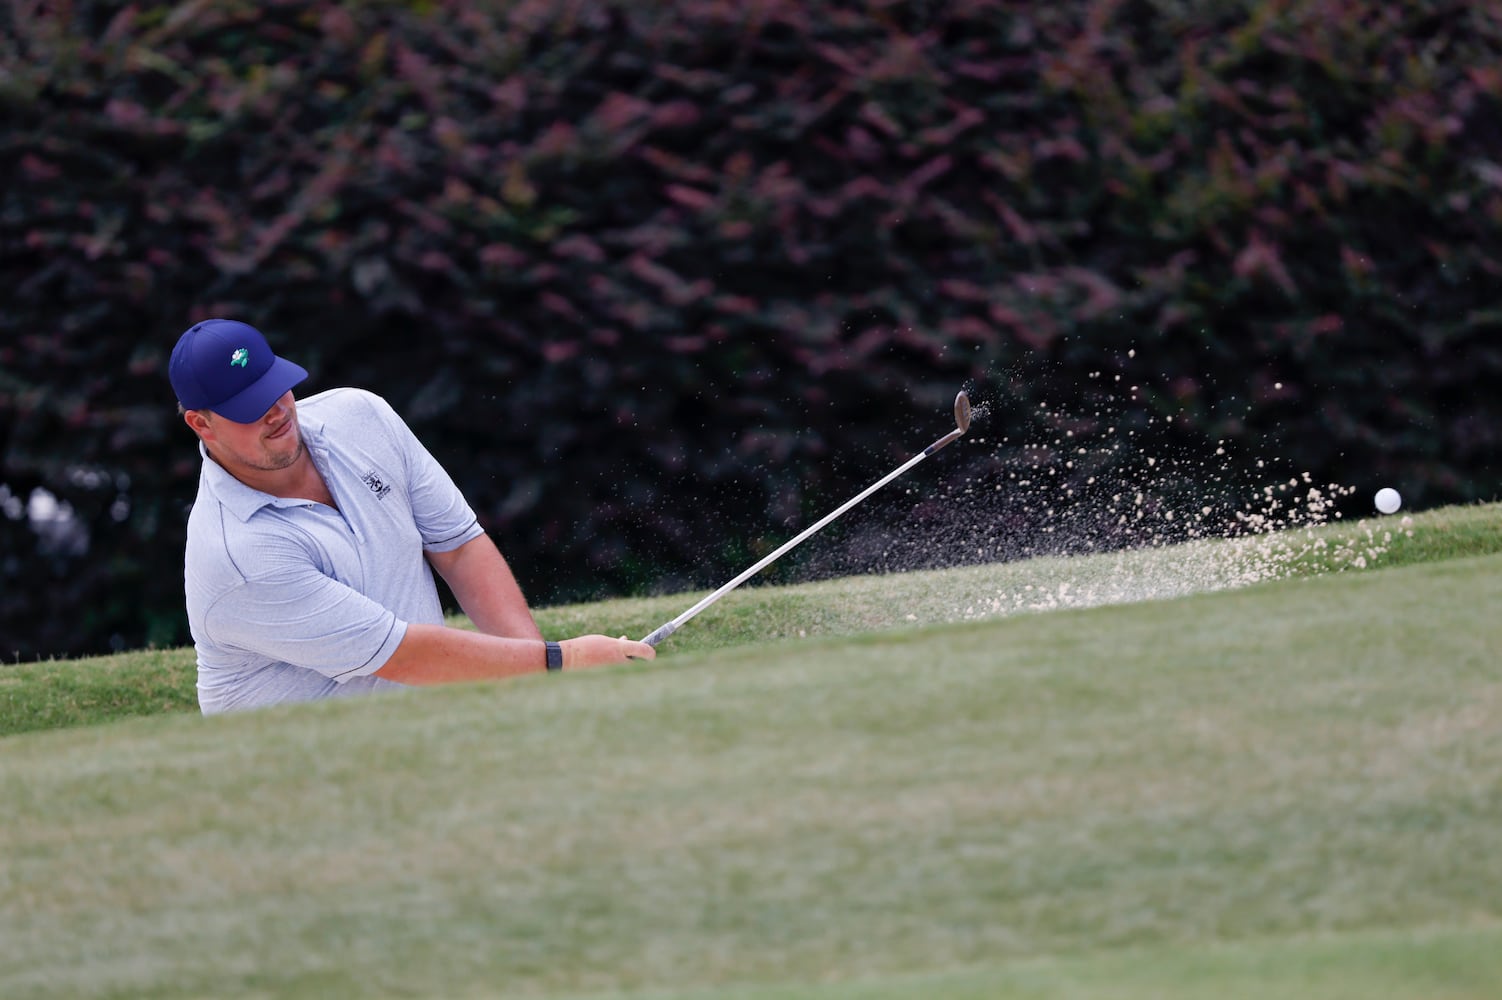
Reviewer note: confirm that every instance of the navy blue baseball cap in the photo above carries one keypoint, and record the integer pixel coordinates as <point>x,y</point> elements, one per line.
<point>225,366</point>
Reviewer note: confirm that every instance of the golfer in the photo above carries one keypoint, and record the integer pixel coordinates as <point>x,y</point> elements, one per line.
<point>310,544</point>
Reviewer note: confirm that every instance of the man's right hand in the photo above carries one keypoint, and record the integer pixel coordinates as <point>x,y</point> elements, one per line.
<point>599,650</point>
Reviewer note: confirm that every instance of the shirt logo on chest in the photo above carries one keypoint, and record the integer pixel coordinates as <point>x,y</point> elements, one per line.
<point>377,485</point>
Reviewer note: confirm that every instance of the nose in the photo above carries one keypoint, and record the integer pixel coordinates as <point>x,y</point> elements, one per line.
<point>278,409</point>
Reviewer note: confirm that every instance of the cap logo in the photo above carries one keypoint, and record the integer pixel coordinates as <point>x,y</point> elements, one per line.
<point>240,358</point>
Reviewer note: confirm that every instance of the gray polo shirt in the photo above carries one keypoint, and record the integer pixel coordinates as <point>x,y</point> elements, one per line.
<point>291,600</point>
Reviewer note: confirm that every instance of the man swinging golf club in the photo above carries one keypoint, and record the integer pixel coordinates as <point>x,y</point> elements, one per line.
<point>311,545</point>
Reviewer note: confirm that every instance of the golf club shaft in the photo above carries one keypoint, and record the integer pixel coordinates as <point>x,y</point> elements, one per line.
<point>672,626</point>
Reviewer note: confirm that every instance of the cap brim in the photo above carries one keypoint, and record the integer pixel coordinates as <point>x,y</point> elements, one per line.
<point>251,403</point>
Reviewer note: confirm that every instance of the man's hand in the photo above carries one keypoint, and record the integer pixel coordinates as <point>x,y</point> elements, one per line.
<point>598,650</point>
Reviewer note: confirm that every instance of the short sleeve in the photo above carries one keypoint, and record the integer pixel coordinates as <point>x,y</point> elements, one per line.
<point>308,620</point>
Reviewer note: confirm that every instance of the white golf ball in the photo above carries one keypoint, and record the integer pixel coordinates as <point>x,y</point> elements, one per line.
<point>1388,500</point>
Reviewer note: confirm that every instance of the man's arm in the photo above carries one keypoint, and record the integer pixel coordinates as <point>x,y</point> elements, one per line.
<point>483,583</point>
<point>436,654</point>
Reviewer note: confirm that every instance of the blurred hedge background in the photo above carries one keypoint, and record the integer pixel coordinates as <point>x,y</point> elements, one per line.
<point>658,282</point>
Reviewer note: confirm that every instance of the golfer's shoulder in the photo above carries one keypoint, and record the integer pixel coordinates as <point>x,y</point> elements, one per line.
<point>355,419</point>
<point>345,404</point>
<point>224,550</point>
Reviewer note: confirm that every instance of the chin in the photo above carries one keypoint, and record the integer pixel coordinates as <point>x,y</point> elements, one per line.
<point>280,459</point>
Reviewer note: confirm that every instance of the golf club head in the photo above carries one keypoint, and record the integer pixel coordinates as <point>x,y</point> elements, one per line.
<point>962,411</point>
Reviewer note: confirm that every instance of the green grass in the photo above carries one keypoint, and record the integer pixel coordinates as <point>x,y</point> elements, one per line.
<point>1435,964</point>
<point>55,694</point>
<point>58,694</point>
<point>1286,789</point>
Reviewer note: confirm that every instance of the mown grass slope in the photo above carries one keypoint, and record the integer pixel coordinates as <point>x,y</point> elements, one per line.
<point>57,694</point>
<point>1284,789</point>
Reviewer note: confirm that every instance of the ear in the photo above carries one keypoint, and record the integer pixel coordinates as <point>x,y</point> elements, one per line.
<point>201,423</point>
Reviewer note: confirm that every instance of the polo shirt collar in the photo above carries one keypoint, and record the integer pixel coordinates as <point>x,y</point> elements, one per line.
<point>241,500</point>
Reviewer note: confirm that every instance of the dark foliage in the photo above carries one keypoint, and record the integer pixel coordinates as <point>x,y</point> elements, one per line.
<point>656,281</point>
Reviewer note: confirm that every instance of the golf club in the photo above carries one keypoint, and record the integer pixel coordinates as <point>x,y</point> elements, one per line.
<point>961,425</point>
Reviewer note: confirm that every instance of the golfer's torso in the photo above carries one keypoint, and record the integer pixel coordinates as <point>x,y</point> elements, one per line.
<point>368,541</point>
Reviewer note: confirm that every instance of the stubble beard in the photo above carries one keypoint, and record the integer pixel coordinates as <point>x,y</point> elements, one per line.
<point>269,460</point>
<point>276,463</point>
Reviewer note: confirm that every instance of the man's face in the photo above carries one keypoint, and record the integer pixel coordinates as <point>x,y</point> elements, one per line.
<point>272,443</point>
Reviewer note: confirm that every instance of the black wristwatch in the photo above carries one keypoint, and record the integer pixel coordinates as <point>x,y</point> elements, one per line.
<point>555,655</point>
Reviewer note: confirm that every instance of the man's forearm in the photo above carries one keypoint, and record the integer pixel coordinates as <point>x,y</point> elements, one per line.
<point>486,589</point>
<point>436,654</point>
